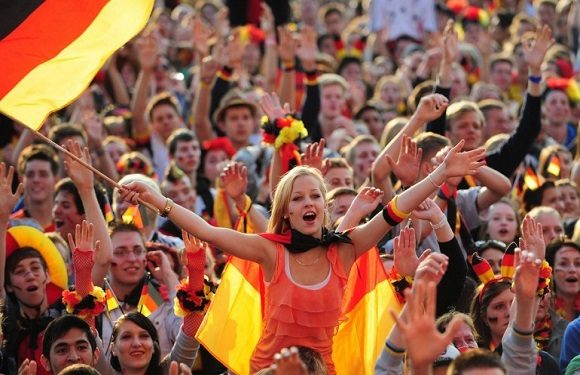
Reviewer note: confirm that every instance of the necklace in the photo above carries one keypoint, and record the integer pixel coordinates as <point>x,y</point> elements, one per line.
<point>308,264</point>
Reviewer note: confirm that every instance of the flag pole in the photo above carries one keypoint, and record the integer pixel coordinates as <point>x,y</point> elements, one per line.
<point>87,165</point>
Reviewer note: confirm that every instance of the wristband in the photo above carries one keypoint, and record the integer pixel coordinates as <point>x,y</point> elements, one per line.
<point>393,348</point>
<point>522,333</point>
<point>440,224</point>
<point>535,79</point>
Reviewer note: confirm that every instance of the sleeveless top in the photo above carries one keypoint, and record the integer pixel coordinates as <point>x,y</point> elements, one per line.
<point>300,315</point>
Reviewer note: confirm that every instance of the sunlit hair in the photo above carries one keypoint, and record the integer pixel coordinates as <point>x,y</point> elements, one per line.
<point>476,359</point>
<point>457,109</point>
<point>536,212</point>
<point>444,320</point>
<point>478,310</point>
<point>283,193</point>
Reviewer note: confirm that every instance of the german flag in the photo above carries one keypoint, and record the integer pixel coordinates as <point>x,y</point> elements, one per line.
<point>368,298</point>
<point>51,50</point>
<point>554,165</point>
<point>132,215</point>
<point>150,298</point>
<point>531,179</point>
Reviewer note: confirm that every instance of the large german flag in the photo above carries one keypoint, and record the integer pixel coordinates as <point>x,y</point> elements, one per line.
<point>50,50</point>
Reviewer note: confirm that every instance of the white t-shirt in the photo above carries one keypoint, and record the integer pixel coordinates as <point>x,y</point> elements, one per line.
<point>403,17</point>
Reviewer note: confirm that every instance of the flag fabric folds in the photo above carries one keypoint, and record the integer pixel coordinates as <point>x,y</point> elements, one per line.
<point>368,298</point>
<point>51,50</point>
<point>233,324</point>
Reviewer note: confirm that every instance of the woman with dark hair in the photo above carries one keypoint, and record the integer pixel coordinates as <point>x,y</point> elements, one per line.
<point>135,346</point>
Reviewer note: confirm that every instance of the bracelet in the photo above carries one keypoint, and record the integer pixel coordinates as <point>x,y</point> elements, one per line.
<point>433,182</point>
<point>522,333</point>
<point>187,302</point>
<point>393,348</point>
<point>167,209</point>
<point>535,79</point>
<point>440,224</point>
<point>91,305</point>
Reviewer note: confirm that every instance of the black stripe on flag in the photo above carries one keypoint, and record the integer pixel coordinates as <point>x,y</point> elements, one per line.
<point>15,12</point>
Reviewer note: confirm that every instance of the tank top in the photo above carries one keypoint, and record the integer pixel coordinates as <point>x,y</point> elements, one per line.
<point>300,315</point>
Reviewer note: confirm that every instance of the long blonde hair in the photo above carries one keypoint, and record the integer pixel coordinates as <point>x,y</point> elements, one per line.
<point>278,224</point>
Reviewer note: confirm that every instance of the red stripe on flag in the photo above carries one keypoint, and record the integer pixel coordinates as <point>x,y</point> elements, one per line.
<point>43,35</point>
<point>366,273</point>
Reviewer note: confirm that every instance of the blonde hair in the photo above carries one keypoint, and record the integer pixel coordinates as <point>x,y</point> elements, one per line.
<point>455,110</point>
<point>277,223</point>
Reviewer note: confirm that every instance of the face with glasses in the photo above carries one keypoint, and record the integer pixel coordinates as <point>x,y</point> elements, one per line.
<point>129,261</point>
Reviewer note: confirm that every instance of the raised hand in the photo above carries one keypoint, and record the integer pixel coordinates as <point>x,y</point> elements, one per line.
<point>432,267</point>
<point>148,51</point>
<point>201,35</point>
<point>95,129</point>
<point>28,367</point>
<point>138,191</point>
<point>450,44</point>
<point>82,177</point>
<point>267,19</point>
<point>428,210</point>
<point>307,48</point>
<point>287,44</point>
<point>535,50</point>
<point>179,369</point>
<point>533,237</point>
<point>84,246</point>
<point>208,69</point>
<point>366,201</point>
<point>194,259</point>
<point>288,362</point>
<point>406,168</point>
<point>158,264</point>
<point>527,274</point>
<point>431,107</point>
<point>314,154</point>
<point>424,342</point>
<point>235,181</point>
<point>9,199</point>
<point>463,163</point>
<point>234,50</point>
<point>404,250</point>
<point>271,106</point>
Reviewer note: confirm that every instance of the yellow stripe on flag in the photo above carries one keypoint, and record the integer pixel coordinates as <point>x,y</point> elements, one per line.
<point>57,82</point>
<point>233,324</point>
<point>361,336</point>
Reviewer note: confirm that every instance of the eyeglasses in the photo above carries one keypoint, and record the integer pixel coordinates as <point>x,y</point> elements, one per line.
<point>123,253</point>
<point>495,244</point>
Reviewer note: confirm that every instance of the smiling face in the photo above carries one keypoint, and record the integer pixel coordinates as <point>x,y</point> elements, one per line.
<point>66,213</point>
<point>497,314</point>
<point>133,346</point>
<point>28,281</point>
<point>128,266</point>
<point>567,271</point>
<point>502,222</point>
<point>38,181</point>
<point>305,211</point>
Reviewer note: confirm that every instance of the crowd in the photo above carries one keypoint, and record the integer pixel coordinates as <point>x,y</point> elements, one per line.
<point>303,135</point>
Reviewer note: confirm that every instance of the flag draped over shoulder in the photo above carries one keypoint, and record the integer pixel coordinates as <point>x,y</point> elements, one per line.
<point>233,324</point>
<point>368,298</point>
<point>50,50</point>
